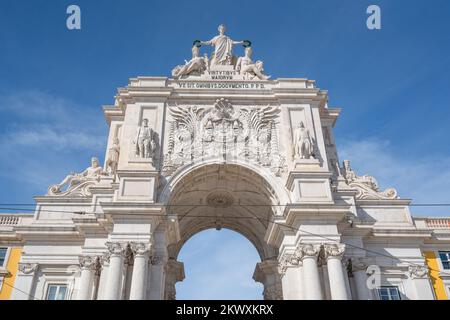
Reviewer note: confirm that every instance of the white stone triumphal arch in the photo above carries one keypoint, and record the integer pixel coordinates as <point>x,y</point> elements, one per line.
<point>219,145</point>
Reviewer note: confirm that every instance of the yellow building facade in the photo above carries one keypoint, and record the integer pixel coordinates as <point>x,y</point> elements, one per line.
<point>436,269</point>
<point>8,271</point>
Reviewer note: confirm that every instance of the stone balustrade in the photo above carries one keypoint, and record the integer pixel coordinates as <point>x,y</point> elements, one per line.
<point>438,223</point>
<point>12,219</point>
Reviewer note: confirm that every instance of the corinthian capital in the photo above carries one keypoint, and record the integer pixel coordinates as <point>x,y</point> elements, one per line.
<point>308,250</point>
<point>88,262</point>
<point>333,250</point>
<point>416,271</point>
<point>287,260</point>
<point>117,248</point>
<point>140,248</point>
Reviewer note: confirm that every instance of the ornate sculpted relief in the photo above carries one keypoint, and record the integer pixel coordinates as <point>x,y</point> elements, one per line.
<point>225,131</point>
<point>78,184</point>
<point>366,185</point>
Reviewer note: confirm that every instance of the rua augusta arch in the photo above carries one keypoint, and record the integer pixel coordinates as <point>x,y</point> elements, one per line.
<point>222,145</point>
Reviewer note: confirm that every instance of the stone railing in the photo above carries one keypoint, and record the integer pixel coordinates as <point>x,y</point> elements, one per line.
<point>438,223</point>
<point>12,219</point>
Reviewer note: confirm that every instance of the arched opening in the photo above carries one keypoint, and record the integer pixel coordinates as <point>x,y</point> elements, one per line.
<point>218,265</point>
<point>229,196</point>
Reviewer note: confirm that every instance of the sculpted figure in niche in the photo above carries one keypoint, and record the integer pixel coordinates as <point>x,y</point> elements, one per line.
<point>92,173</point>
<point>223,47</point>
<point>113,157</point>
<point>196,64</point>
<point>246,66</point>
<point>303,144</point>
<point>145,144</point>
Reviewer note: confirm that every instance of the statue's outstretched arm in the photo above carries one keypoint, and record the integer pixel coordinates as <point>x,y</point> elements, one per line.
<point>206,43</point>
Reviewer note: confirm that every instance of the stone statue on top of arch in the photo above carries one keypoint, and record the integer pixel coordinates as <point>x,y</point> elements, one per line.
<point>223,47</point>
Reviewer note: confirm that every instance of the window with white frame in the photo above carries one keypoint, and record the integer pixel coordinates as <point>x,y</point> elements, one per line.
<point>3,252</point>
<point>389,293</point>
<point>56,292</point>
<point>445,259</point>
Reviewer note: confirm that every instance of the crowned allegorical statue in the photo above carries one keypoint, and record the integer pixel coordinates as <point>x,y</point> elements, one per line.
<point>222,56</point>
<point>223,47</point>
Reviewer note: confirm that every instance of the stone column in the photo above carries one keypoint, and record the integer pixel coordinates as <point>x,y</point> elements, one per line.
<point>421,281</point>
<point>333,254</point>
<point>174,274</point>
<point>267,272</point>
<point>24,284</point>
<point>141,252</point>
<point>113,287</point>
<point>311,277</point>
<point>359,274</point>
<point>87,265</point>
<point>103,277</point>
<point>291,271</point>
<point>157,277</point>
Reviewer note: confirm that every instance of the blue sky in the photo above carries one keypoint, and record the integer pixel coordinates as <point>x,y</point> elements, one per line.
<point>393,85</point>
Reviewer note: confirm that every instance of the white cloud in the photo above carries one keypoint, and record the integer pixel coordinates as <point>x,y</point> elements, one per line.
<point>43,137</point>
<point>424,180</point>
<point>50,137</point>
